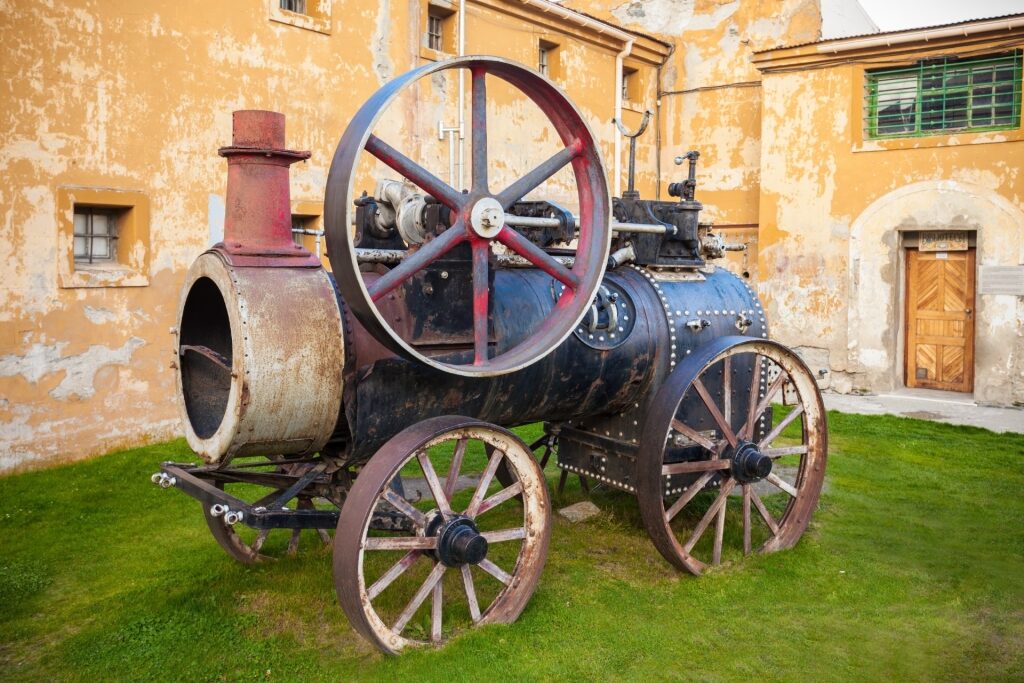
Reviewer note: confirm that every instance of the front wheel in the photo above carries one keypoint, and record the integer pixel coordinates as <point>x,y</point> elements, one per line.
<point>471,544</point>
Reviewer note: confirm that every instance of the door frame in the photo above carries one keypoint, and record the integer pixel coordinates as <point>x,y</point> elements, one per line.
<point>903,292</point>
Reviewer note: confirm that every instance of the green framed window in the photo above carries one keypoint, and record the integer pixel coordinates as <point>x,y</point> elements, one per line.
<point>942,96</point>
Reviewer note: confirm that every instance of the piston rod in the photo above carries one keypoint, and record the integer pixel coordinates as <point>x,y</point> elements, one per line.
<point>535,222</point>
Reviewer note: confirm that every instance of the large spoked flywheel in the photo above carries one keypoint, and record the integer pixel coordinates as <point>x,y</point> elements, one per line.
<point>477,219</point>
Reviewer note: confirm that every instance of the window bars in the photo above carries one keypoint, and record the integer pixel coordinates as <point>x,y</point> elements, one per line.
<point>945,95</point>
<point>95,234</point>
<point>297,6</point>
<point>434,35</point>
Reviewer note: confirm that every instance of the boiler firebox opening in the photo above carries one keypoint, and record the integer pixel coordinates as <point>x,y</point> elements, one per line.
<point>205,357</point>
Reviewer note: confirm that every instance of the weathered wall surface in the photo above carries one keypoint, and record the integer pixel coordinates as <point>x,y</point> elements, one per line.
<point>114,94</point>
<point>833,208</point>
<point>711,95</point>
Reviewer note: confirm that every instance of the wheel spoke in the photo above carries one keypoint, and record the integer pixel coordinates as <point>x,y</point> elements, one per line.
<point>417,261</point>
<point>417,600</point>
<point>538,257</point>
<point>695,466</point>
<point>691,491</point>
<point>500,497</point>
<point>261,538</point>
<point>479,124</point>
<point>695,436</point>
<point>716,553</point>
<point>388,577</point>
<point>427,181</point>
<point>405,507</point>
<point>436,611</point>
<point>781,483</point>
<point>453,470</point>
<point>746,519</point>
<point>783,423</point>
<point>434,483</point>
<point>502,535</point>
<point>784,450</point>
<point>748,429</point>
<point>467,582</point>
<point>481,299</point>
<point>529,182</point>
<point>723,424</point>
<point>763,511</point>
<point>400,543</point>
<point>727,390</point>
<point>473,509</point>
<point>755,385</point>
<point>495,571</point>
<point>698,531</point>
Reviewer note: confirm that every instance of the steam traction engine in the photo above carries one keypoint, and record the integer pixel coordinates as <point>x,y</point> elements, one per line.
<point>376,404</point>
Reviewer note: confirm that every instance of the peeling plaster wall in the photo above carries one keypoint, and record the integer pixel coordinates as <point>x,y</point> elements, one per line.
<point>833,208</point>
<point>711,95</point>
<point>117,94</point>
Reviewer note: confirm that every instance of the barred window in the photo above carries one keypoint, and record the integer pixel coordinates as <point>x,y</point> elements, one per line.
<point>297,6</point>
<point>945,95</point>
<point>95,234</point>
<point>435,34</point>
<point>543,60</point>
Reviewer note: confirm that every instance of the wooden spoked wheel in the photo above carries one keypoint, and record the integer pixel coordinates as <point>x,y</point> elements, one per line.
<point>248,545</point>
<point>458,539</point>
<point>737,442</point>
<point>478,218</point>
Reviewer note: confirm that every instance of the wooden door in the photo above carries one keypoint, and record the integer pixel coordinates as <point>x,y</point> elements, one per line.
<point>940,320</point>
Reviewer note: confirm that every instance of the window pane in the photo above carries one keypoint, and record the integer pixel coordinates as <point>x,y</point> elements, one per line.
<point>102,224</point>
<point>100,247</point>
<point>80,251</point>
<point>895,101</point>
<point>81,222</point>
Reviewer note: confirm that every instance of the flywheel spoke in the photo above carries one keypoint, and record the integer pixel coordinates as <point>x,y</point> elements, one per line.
<point>427,181</point>
<point>538,257</point>
<point>529,182</point>
<point>481,298</point>
<point>479,126</point>
<point>417,261</point>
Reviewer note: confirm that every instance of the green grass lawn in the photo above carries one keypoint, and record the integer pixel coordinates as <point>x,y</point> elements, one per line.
<point>913,568</point>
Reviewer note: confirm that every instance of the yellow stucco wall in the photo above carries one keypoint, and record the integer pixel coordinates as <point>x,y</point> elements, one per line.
<point>833,206</point>
<point>111,95</point>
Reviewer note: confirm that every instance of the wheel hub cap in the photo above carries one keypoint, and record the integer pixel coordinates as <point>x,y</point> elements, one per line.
<point>749,464</point>
<point>459,542</point>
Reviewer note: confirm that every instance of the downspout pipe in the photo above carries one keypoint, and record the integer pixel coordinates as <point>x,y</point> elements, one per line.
<point>462,96</point>
<point>627,47</point>
<point>619,76</point>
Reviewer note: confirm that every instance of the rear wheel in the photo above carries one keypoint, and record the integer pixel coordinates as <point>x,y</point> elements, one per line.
<point>471,547</point>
